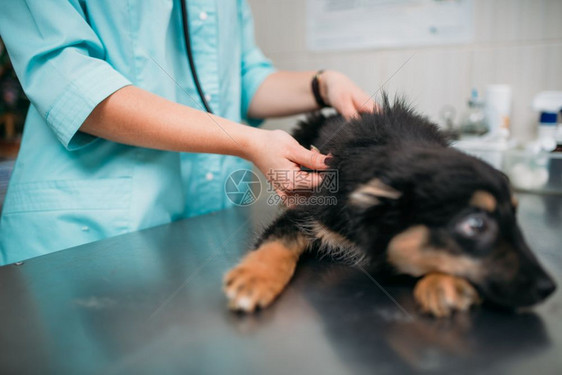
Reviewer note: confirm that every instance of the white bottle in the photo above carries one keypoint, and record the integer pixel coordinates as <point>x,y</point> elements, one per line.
<point>547,132</point>
<point>548,103</point>
<point>498,109</point>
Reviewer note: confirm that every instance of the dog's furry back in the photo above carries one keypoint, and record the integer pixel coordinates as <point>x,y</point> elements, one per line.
<point>394,123</point>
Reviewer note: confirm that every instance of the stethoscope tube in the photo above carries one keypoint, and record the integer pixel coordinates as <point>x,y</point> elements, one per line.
<point>187,40</point>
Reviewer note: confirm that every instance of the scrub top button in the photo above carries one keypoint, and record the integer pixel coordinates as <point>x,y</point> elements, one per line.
<point>208,97</point>
<point>203,16</point>
<point>209,176</point>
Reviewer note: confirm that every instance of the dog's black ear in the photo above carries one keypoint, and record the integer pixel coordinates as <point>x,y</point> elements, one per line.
<point>370,194</point>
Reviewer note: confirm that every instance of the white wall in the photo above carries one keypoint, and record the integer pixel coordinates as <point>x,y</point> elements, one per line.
<point>518,42</point>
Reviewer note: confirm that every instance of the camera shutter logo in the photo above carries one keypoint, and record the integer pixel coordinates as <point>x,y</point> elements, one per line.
<point>242,187</point>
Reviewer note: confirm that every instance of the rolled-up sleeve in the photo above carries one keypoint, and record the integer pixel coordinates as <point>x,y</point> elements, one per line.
<point>255,66</point>
<point>60,63</point>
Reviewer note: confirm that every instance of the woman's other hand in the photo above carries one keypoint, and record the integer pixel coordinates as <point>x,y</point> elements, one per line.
<point>339,92</point>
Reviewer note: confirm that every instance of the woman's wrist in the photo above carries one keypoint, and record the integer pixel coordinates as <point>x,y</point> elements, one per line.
<point>251,141</point>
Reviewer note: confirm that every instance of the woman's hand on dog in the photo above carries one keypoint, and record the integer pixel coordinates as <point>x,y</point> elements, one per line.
<point>343,95</point>
<point>280,157</point>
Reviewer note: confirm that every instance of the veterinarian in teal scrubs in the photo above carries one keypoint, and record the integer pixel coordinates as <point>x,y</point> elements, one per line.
<point>115,139</point>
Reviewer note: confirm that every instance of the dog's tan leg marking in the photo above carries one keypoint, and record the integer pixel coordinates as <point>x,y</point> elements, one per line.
<point>440,294</point>
<point>484,200</point>
<point>262,275</point>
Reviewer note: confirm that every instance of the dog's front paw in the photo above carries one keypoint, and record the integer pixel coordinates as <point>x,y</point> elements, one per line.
<point>440,294</point>
<point>250,286</point>
<point>260,277</point>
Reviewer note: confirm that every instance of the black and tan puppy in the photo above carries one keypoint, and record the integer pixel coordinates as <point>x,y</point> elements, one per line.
<point>405,200</point>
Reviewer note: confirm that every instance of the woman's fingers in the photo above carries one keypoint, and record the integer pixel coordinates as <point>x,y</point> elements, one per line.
<point>357,102</point>
<point>311,159</point>
<point>299,179</point>
<point>348,109</point>
<point>345,96</point>
<point>306,180</point>
<point>364,103</point>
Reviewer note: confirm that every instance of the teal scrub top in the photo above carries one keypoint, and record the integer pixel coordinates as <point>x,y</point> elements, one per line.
<point>69,188</point>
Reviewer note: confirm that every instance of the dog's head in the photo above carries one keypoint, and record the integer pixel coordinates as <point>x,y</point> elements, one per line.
<point>451,213</point>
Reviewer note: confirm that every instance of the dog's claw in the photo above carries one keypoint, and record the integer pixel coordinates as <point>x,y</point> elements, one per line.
<point>440,294</point>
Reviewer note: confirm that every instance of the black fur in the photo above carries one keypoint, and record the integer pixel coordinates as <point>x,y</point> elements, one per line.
<point>405,151</point>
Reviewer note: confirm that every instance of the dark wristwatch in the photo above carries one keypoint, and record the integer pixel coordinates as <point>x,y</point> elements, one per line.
<point>316,90</point>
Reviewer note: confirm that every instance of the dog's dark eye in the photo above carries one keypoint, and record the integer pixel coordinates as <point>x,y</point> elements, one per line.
<point>473,225</point>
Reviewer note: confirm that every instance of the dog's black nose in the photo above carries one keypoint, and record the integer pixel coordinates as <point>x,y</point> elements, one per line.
<point>545,286</point>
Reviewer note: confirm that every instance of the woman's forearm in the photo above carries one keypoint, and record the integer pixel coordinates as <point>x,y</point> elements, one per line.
<point>136,117</point>
<point>283,93</point>
<point>288,93</point>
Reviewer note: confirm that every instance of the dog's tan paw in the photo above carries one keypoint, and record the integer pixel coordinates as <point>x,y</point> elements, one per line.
<point>260,277</point>
<point>440,294</point>
<point>248,288</point>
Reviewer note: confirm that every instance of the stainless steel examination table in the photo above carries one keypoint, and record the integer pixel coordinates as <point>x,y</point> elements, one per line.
<point>150,302</point>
